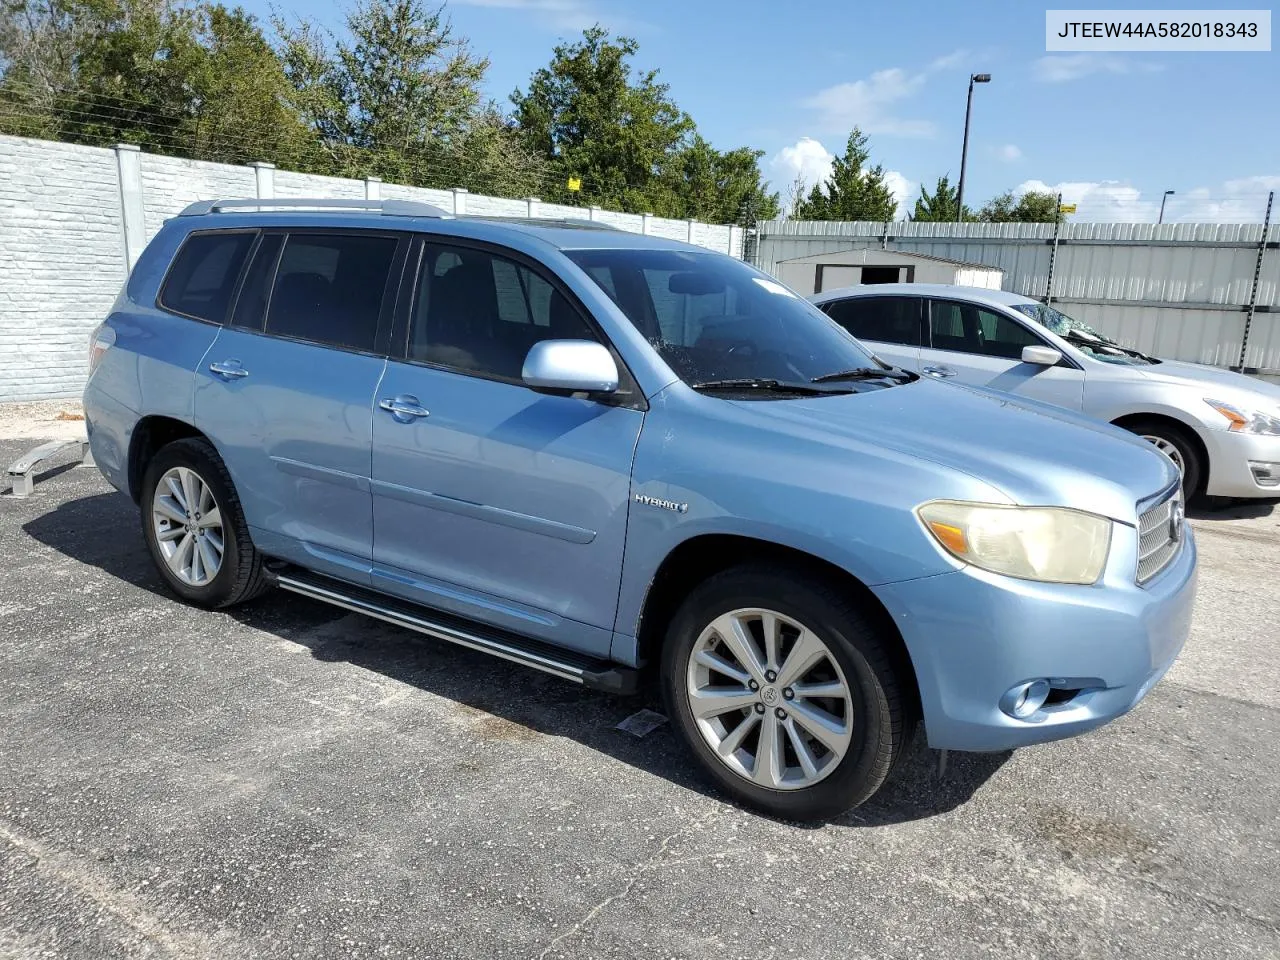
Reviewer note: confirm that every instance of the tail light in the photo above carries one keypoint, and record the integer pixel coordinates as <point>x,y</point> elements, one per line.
<point>100,341</point>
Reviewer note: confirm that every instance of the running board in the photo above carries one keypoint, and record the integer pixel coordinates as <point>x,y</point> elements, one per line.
<point>596,674</point>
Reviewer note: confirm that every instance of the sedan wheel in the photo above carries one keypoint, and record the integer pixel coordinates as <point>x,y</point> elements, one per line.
<point>769,699</point>
<point>1170,450</point>
<point>188,526</point>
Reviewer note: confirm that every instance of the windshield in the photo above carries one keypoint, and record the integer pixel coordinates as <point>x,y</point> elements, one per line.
<point>716,319</point>
<point>1082,336</point>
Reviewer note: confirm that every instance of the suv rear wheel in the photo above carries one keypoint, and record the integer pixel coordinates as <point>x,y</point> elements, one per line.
<point>784,691</point>
<point>195,529</point>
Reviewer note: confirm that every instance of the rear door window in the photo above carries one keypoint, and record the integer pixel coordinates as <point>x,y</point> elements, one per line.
<point>330,288</point>
<point>884,319</point>
<point>204,275</point>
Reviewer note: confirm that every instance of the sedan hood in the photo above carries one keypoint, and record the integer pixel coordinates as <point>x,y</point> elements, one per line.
<point>1033,453</point>
<point>1198,375</point>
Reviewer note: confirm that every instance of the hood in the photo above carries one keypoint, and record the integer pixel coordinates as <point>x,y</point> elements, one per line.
<point>1266,395</point>
<point>1034,454</point>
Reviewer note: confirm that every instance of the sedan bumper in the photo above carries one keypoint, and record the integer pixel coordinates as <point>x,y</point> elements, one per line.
<point>976,638</point>
<point>1243,465</point>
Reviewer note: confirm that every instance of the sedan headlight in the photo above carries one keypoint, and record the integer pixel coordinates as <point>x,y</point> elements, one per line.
<point>1244,420</point>
<point>1051,544</point>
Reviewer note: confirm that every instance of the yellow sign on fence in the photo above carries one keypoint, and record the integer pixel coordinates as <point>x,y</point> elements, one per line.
<point>575,183</point>
<point>1067,208</point>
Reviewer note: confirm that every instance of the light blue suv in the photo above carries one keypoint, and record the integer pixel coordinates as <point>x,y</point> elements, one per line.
<point>609,456</point>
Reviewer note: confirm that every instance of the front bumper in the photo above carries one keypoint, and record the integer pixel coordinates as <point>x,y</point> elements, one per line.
<point>972,636</point>
<point>1231,456</point>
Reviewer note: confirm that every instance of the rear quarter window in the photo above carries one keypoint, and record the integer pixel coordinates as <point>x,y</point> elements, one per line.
<point>204,275</point>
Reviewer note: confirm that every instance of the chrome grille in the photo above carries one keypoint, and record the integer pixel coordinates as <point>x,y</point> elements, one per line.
<point>1160,534</point>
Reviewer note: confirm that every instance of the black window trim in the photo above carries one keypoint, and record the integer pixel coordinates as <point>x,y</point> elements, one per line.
<point>1066,361</point>
<point>408,296</point>
<point>922,318</point>
<point>235,291</point>
<point>390,292</point>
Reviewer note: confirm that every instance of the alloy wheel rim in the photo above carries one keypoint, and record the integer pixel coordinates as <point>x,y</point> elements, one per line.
<point>188,526</point>
<point>1169,450</point>
<point>769,698</point>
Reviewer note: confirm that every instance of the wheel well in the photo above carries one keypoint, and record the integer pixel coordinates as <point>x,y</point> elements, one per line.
<point>1129,421</point>
<point>149,436</point>
<point>701,557</point>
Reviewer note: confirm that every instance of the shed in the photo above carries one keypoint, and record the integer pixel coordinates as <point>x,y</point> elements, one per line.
<point>845,268</point>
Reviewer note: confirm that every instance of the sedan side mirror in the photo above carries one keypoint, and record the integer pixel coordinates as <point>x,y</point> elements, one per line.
<point>1041,356</point>
<point>570,366</point>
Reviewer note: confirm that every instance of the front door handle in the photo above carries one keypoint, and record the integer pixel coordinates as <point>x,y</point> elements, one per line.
<point>939,372</point>
<point>404,407</point>
<point>228,370</point>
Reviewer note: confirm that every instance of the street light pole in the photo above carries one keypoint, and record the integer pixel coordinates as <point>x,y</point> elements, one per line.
<point>964,151</point>
<point>1167,195</point>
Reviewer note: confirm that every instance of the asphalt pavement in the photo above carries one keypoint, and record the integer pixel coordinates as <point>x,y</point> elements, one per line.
<point>290,780</point>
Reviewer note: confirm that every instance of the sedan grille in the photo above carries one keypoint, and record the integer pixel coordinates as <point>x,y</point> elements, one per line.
<point>1160,534</point>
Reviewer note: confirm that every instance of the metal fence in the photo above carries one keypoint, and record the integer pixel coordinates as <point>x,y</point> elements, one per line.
<point>1185,291</point>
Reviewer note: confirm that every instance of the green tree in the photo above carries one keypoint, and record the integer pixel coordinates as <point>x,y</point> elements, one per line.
<point>1034,206</point>
<point>198,81</point>
<point>701,183</point>
<point>591,117</point>
<point>399,96</point>
<point>854,191</point>
<point>940,206</point>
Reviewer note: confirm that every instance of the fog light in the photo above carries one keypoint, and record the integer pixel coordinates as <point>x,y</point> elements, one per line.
<point>1023,700</point>
<point>1265,474</point>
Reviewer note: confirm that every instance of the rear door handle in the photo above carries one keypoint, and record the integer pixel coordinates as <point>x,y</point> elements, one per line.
<point>228,370</point>
<point>939,372</point>
<point>404,407</point>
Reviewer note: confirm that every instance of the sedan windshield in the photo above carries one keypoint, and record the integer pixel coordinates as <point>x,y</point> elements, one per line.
<point>1082,336</point>
<point>722,325</point>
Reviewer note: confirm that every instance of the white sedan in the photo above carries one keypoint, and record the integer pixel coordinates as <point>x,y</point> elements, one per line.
<point>1222,429</point>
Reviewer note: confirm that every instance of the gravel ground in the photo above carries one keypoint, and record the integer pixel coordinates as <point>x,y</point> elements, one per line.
<point>288,780</point>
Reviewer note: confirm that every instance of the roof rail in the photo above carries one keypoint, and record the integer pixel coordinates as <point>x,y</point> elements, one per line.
<point>388,208</point>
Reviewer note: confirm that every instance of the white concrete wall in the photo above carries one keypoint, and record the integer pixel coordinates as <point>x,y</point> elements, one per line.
<point>62,262</point>
<point>73,218</point>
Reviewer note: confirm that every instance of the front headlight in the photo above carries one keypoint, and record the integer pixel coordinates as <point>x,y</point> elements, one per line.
<point>1243,420</point>
<point>1051,544</point>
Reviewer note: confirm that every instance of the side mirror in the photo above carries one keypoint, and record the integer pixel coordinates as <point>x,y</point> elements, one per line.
<point>571,366</point>
<point>1041,356</point>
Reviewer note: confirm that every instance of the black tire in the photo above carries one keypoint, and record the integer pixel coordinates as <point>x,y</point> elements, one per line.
<point>882,720</point>
<point>240,576</point>
<point>1193,473</point>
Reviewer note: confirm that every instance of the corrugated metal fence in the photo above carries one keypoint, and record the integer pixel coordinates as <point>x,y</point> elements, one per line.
<point>1179,290</point>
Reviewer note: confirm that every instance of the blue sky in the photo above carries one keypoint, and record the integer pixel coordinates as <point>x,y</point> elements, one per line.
<point>1112,131</point>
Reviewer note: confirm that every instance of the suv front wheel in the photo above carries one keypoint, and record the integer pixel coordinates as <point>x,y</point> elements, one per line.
<point>195,529</point>
<point>784,691</point>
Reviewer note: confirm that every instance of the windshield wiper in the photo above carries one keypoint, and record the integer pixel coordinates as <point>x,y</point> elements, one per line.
<point>1105,344</point>
<point>865,373</point>
<point>759,383</point>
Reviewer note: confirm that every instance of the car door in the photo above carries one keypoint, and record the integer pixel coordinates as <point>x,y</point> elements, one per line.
<point>492,500</point>
<point>890,326</point>
<point>982,346</point>
<point>286,392</point>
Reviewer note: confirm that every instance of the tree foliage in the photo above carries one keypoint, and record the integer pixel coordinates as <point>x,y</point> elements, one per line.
<point>1034,206</point>
<point>593,118</point>
<point>854,191</point>
<point>939,206</point>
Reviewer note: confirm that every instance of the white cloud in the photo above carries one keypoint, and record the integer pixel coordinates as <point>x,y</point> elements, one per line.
<point>1232,201</point>
<point>812,161</point>
<point>807,157</point>
<point>902,190</point>
<point>866,104</point>
<point>1077,65</point>
<point>1009,152</point>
